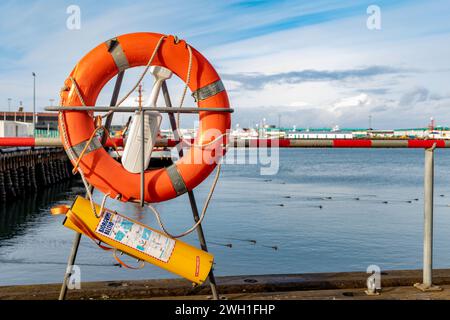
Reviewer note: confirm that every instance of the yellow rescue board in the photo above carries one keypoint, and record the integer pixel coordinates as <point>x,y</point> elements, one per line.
<point>142,242</point>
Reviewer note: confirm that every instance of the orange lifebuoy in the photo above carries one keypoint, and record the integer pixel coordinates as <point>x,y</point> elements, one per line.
<point>101,65</point>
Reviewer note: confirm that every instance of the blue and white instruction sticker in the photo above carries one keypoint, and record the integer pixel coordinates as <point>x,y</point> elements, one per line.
<point>136,236</point>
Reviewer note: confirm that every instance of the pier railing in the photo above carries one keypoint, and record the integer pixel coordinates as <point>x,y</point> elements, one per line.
<point>250,143</point>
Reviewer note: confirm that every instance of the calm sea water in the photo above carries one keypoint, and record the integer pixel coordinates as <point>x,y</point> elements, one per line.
<point>326,210</point>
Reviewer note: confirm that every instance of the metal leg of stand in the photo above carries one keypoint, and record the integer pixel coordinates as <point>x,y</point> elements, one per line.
<point>202,239</point>
<point>201,235</point>
<point>142,194</point>
<point>113,102</point>
<point>70,263</point>
<point>77,239</point>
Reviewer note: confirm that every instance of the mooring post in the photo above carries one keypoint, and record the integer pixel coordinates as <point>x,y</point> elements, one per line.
<point>427,282</point>
<point>200,233</point>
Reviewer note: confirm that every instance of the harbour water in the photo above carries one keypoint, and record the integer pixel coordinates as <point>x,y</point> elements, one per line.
<point>325,210</point>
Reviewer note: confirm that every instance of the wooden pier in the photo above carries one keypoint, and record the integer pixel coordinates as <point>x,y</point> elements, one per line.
<point>26,170</point>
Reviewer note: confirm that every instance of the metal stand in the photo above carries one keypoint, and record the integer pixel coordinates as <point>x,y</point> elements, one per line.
<point>201,235</point>
<point>193,203</point>
<point>427,284</point>
<point>142,113</point>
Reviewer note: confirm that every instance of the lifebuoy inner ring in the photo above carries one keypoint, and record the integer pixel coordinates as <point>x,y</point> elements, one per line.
<point>132,50</point>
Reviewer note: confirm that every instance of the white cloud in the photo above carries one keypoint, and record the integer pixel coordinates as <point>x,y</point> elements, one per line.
<point>359,100</point>
<point>299,104</point>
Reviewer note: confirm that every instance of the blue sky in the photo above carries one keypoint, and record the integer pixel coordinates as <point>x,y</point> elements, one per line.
<point>314,62</point>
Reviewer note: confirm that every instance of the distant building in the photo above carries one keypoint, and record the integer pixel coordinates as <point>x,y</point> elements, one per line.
<point>244,133</point>
<point>15,129</point>
<point>319,135</point>
<point>44,120</point>
<point>438,132</point>
<point>432,132</point>
<point>373,134</point>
